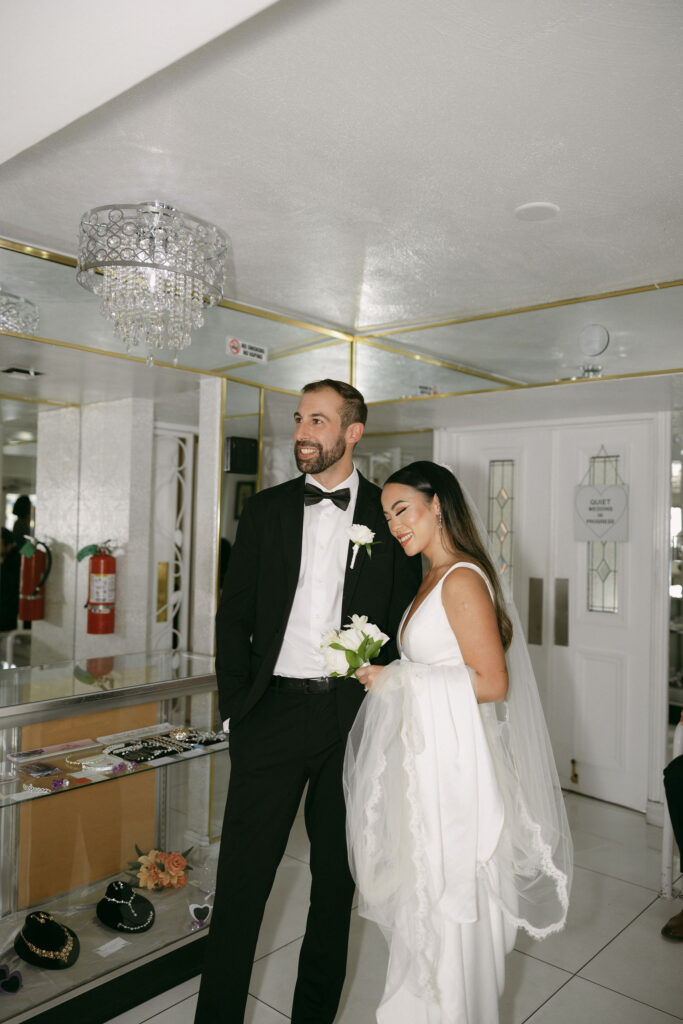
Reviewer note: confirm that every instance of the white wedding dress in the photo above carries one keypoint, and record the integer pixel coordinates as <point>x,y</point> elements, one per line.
<point>430,847</point>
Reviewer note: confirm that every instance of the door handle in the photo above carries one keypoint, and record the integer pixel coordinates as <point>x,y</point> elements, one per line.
<point>561,612</point>
<point>535,611</point>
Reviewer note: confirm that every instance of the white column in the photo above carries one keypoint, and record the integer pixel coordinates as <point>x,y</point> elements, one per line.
<point>115,504</point>
<point>207,515</point>
<point>57,473</point>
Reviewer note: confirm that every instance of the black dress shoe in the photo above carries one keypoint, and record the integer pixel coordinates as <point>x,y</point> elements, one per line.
<point>673,929</point>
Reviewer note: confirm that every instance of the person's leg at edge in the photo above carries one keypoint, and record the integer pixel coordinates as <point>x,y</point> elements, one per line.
<point>260,810</point>
<point>322,961</point>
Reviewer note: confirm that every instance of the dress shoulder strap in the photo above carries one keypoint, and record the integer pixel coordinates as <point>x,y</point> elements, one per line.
<point>475,568</point>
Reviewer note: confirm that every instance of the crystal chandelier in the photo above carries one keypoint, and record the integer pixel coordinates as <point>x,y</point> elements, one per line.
<point>154,268</point>
<point>17,314</point>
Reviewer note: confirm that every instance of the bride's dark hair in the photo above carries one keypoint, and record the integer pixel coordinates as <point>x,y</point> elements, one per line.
<point>430,479</point>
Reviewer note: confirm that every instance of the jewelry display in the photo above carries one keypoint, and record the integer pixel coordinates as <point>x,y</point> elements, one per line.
<point>46,943</point>
<point>10,981</point>
<point>124,909</point>
<point>103,763</point>
<point>147,748</point>
<point>184,734</point>
<point>196,737</point>
<point>76,760</point>
<point>54,787</point>
<point>200,914</point>
<point>142,750</point>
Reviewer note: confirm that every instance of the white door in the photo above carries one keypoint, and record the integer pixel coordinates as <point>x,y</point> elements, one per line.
<point>588,622</point>
<point>600,655</point>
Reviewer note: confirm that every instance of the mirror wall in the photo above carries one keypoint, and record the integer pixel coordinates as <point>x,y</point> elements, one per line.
<point>79,411</point>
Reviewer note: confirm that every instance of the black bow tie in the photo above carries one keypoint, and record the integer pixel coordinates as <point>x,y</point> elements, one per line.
<point>313,494</point>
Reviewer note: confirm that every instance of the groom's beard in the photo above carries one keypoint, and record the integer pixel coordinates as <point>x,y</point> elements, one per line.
<point>325,457</point>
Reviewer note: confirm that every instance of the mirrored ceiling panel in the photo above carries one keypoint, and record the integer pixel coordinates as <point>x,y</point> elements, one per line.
<point>241,410</point>
<point>64,375</point>
<point>291,372</point>
<point>71,314</point>
<point>544,345</point>
<point>383,375</point>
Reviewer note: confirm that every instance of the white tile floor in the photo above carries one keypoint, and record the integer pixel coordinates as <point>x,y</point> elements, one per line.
<point>610,965</point>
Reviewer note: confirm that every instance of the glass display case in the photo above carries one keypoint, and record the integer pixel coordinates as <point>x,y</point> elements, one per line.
<point>112,784</point>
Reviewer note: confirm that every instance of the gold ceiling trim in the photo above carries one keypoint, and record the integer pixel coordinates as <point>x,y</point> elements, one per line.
<point>371,332</point>
<point>139,359</point>
<point>398,433</point>
<point>446,394</point>
<point>528,387</point>
<point>256,384</point>
<point>238,307</point>
<point>41,254</point>
<point>554,304</point>
<point>40,401</point>
<point>444,364</point>
<point>301,350</point>
<point>282,318</point>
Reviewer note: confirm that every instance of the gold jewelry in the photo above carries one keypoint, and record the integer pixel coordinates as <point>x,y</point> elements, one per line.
<point>50,954</point>
<point>181,734</point>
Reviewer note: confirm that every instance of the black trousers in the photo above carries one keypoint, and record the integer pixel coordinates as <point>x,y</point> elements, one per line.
<point>673,786</point>
<point>288,740</point>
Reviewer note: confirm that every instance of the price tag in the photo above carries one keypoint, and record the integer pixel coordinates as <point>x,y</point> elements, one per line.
<point>112,947</point>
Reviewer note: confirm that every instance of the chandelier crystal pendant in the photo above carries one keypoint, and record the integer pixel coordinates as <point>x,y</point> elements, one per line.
<point>17,314</point>
<point>154,268</point>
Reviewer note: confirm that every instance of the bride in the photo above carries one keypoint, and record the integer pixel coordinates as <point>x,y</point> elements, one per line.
<point>456,825</point>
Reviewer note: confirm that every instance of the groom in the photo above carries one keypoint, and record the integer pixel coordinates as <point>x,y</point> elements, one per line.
<point>289,581</point>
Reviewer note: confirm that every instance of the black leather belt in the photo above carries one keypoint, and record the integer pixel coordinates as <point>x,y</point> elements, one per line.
<point>320,684</point>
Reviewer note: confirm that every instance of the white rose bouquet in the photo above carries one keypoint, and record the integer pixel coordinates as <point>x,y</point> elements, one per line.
<point>347,649</point>
<point>361,536</point>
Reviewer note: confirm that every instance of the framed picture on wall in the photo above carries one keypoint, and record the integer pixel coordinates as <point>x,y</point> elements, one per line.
<point>243,490</point>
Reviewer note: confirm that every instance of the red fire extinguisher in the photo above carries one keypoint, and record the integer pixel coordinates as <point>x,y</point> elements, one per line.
<point>36,562</point>
<point>101,587</point>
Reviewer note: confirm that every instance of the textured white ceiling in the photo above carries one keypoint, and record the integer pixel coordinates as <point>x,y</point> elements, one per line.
<point>366,158</point>
<point>92,41</point>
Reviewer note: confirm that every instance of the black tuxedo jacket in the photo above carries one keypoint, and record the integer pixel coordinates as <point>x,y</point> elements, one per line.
<point>260,584</point>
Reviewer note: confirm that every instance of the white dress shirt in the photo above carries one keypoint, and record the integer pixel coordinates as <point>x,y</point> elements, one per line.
<point>317,604</point>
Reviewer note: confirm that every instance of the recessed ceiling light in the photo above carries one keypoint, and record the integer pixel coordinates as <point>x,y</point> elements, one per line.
<point>537,211</point>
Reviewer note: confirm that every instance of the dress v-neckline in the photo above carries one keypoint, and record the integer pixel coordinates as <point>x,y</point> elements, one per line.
<point>414,609</point>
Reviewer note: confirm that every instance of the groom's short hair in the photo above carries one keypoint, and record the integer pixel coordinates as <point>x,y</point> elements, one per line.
<point>354,409</point>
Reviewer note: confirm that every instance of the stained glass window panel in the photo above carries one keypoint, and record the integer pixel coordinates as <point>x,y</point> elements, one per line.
<point>603,556</point>
<point>501,502</point>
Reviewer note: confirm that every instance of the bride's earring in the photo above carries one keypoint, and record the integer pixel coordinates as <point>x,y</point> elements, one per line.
<point>439,521</point>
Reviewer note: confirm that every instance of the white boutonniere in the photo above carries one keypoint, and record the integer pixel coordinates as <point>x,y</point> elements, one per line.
<point>361,536</point>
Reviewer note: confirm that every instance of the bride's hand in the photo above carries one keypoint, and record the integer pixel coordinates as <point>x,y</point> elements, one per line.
<point>367,674</point>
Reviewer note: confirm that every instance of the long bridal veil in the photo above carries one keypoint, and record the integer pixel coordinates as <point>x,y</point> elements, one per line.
<point>527,869</point>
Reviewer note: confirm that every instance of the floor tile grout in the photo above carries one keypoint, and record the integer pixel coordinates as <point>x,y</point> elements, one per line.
<point>547,1008</point>
<point>634,999</point>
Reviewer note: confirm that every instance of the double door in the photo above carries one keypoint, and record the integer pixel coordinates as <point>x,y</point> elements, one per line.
<point>586,607</point>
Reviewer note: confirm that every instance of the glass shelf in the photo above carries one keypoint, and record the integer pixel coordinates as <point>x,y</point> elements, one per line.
<point>32,684</point>
<point>13,791</point>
